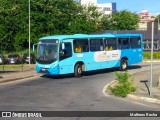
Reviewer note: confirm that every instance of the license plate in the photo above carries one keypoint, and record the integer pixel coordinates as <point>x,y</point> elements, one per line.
<point>43,70</point>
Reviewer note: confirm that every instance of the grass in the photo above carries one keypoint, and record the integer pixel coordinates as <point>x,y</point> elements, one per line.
<point>14,66</point>
<point>147,55</point>
<point>124,84</point>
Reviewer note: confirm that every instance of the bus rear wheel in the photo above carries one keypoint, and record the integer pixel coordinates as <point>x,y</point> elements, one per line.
<point>123,65</point>
<point>78,70</point>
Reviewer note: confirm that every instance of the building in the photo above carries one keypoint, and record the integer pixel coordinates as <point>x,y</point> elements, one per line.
<point>144,19</point>
<point>88,2</point>
<point>105,8</point>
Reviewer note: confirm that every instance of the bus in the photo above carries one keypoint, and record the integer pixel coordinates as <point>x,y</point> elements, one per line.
<point>78,53</point>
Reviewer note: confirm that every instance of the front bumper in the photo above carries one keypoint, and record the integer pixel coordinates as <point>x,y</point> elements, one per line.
<point>47,69</point>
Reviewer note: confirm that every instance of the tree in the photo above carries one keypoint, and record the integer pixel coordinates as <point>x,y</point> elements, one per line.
<point>86,21</point>
<point>121,20</point>
<point>62,17</point>
<point>48,17</point>
<point>13,24</point>
<point>157,18</point>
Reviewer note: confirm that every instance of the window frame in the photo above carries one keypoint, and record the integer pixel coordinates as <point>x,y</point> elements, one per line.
<point>83,45</point>
<point>62,51</point>
<point>139,38</point>
<point>102,44</point>
<point>122,46</point>
<point>111,38</point>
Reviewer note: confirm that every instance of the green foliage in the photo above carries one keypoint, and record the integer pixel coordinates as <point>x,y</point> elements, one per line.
<point>50,17</point>
<point>61,17</point>
<point>86,21</point>
<point>147,55</point>
<point>121,20</point>
<point>13,24</point>
<point>124,85</point>
<point>157,19</point>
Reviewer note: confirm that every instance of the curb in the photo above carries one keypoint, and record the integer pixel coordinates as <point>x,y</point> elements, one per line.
<point>154,61</point>
<point>146,99</point>
<point>131,96</point>
<point>18,78</point>
<point>106,86</point>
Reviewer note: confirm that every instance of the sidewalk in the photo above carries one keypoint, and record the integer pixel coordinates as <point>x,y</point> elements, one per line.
<point>143,73</point>
<point>11,75</point>
<point>142,93</point>
<point>154,61</point>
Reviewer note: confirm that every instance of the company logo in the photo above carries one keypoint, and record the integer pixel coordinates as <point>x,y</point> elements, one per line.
<point>6,114</point>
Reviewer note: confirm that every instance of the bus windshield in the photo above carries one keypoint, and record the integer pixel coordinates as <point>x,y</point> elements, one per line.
<point>47,53</point>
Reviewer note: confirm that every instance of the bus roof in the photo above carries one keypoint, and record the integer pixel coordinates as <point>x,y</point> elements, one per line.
<point>61,37</point>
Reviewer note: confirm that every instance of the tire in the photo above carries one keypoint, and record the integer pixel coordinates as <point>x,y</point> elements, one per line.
<point>123,65</point>
<point>78,70</point>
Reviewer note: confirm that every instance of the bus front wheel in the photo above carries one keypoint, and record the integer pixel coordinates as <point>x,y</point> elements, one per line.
<point>78,70</point>
<point>124,64</point>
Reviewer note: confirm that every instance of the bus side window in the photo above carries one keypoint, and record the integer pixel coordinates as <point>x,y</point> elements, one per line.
<point>110,44</point>
<point>96,45</point>
<point>135,42</point>
<point>123,43</point>
<point>67,51</point>
<point>80,45</point>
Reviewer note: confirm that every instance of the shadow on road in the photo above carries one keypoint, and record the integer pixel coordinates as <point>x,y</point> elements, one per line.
<point>134,67</point>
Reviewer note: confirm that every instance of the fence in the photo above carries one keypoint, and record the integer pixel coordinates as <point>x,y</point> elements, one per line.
<point>15,68</point>
<point>156,45</point>
<point>16,63</point>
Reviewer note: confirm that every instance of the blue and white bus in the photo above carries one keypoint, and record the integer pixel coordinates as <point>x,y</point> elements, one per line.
<point>64,54</point>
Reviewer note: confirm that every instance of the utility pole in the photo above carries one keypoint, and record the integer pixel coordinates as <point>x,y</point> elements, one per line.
<point>29,9</point>
<point>152,58</point>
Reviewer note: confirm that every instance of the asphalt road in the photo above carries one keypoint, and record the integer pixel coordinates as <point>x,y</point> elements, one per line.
<point>67,94</point>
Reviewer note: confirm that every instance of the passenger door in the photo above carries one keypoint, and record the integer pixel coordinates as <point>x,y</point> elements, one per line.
<point>65,58</point>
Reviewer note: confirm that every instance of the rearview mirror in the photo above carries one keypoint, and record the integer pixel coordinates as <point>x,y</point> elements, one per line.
<point>63,46</point>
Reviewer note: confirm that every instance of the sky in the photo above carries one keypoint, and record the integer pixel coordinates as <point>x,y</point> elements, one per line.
<point>153,6</point>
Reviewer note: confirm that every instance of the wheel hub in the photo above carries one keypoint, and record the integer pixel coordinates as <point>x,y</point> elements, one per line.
<point>79,70</point>
<point>124,65</point>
